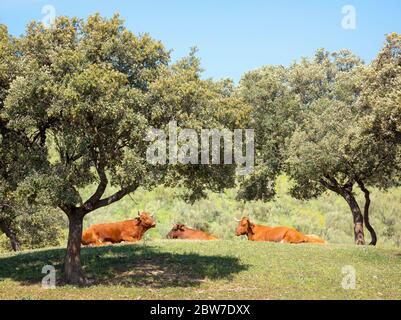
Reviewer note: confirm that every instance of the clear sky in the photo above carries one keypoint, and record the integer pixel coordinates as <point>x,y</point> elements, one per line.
<point>234,36</point>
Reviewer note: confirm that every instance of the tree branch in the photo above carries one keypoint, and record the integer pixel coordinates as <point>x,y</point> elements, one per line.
<point>11,235</point>
<point>101,188</point>
<point>333,185</point>
<point>67,208</point>
<point>113,198</point>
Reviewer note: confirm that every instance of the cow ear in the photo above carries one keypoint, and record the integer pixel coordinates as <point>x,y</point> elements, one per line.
<point>181,227</point>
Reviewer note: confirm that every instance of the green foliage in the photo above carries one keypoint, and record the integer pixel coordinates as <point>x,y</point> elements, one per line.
<point>93,89</point>
<point>330,142</point>
<point>25,224</point>
<point>320,126</point>
<point>39,228</point>
<point>274,115</point>
<point>311,125</point>
<point>381,97</point>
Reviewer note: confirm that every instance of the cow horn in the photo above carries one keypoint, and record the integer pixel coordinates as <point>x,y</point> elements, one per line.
<point>139,213</point>
<point>238,220</point>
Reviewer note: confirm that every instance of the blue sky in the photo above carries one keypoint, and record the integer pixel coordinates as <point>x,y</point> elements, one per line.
<point>234,36</point>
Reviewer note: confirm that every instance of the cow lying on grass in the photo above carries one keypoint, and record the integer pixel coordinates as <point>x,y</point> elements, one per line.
<point>124,231</point>
<point>180,231</point>
<point>256,232</point>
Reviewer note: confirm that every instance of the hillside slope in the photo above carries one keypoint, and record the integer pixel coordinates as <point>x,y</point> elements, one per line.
<point>328,216</point>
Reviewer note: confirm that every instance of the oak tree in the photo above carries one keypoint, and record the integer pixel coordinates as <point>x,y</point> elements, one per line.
<point>87,94</point>
<point>317,128</point>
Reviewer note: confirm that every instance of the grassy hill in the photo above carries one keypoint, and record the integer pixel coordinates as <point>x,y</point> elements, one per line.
<point>328,216</point>
<point>229,269</point>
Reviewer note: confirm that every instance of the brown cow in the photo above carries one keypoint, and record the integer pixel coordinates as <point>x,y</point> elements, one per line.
<point>256,232</point>
<point>109,233</point>
<point>180,231</point>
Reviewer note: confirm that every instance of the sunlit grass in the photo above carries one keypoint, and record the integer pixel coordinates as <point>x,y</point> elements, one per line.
<point>209,270</point>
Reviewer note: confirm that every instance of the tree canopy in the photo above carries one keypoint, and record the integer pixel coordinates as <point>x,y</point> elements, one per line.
<point>322,140</point>
<point>88,92</point>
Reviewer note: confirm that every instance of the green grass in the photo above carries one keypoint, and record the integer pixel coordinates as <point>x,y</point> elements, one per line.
<point>229,269</point>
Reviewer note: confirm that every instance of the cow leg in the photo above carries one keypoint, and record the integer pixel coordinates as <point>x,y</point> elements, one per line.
<point>293,237</point>
<point>287,238</point>
<point>127,238</point>
<point>99,243</point>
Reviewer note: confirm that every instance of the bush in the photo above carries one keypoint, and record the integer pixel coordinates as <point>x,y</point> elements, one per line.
<point>43,228</point>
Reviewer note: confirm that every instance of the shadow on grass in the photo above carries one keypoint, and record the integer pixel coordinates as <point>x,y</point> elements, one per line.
<point>128,265</point>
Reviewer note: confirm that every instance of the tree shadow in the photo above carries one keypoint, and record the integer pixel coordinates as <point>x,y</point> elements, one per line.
<point>127,265</point>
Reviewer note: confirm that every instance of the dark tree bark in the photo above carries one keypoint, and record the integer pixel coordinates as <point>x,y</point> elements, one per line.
<point>358,218</point>
<point>4,227</point>
<point>346,191</point>
<point>366,214</point>
<point>72,266</point>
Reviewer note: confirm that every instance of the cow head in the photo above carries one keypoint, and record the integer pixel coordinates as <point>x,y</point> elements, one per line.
<point>175,231</point>
<point>245,226</point>
<point>146,220</point>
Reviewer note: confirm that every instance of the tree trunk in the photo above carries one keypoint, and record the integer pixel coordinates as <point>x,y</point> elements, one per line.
<point>346,192</point>
<point>15,245</point>
<point>72,267</point>
<point>358,218</point>
<point>366,214</point>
